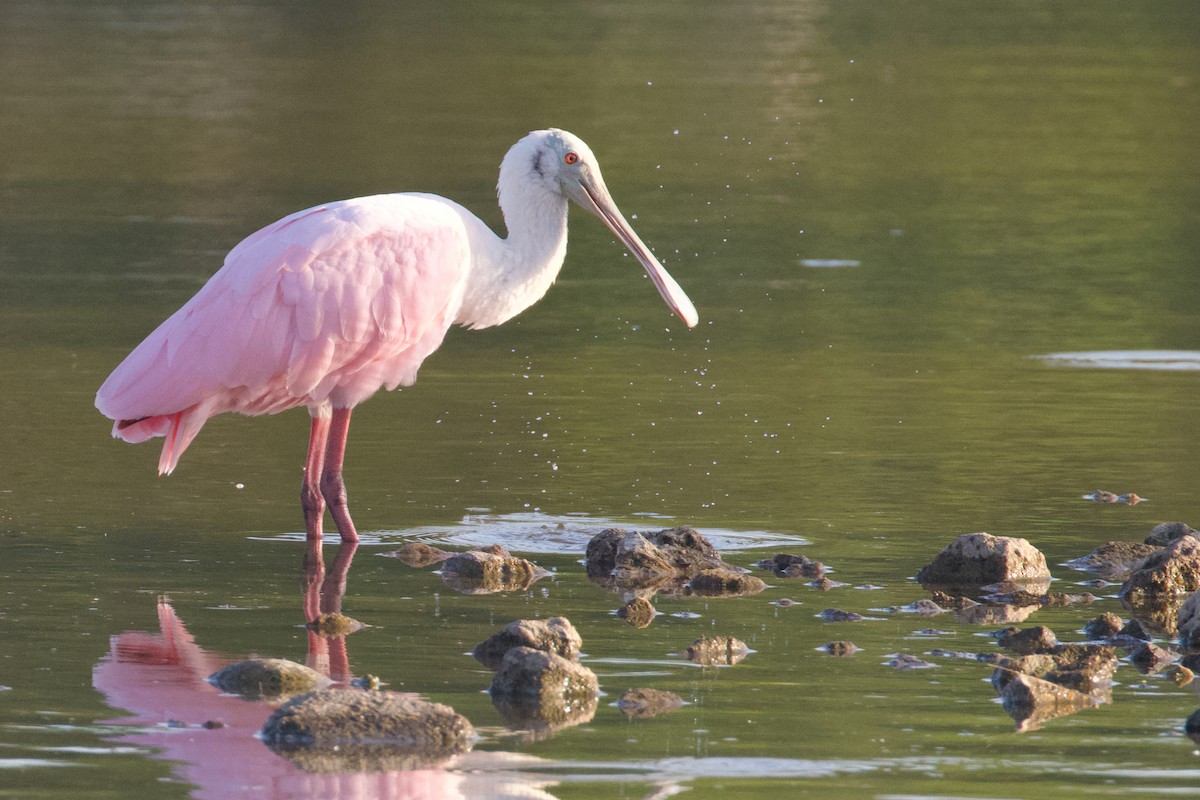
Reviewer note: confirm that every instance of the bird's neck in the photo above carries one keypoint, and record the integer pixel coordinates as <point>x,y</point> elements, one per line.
<point>509,275</point>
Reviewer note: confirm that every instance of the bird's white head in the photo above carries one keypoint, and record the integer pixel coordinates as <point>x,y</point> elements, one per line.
<point>563,164</point>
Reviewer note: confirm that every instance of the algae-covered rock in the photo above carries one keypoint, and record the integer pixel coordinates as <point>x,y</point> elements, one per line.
<point>976,559</point>
<point>267,677</point>
<point>1172,570</point>
<point>1038,639</point>
<point>555,635</point>
<point>1188,622</point>
<point>488,571</point>
<point>714,651</point>
<point>348,730</point>
<point>646,703</point>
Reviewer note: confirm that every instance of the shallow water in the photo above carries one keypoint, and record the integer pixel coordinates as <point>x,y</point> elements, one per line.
<point>885,214</point>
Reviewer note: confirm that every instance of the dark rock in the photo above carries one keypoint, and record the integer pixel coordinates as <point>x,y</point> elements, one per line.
<point>1032,701</point>
<point>1114,560</point>
<point>618,552</point>
<point>1038,639</point>
<point>1150,658</point>
<point>1104,626</point>
<point>638,612</point>
<point>267,677</point>
<point>487,571</point>
<point>785,565</point>
<point>646,703</point>
<point>717,651</point>
<point>418,554</point>
<point>1188,622</point>
<point>1191,727</point>
<point>1134,630</point>
<point>344,730</point>
<point>555,635</point>
<point>528,673</point>
<point>975,559</point>
<point>841,648</point>
<point>1164,533</point>
<point>838,615</point>
<point>334,624</point>
<point>724,583</point>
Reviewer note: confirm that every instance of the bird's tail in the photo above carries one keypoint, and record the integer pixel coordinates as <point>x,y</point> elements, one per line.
<point>178,428</point>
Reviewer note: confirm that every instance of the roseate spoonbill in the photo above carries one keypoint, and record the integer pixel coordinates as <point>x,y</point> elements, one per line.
<point>328,305</point>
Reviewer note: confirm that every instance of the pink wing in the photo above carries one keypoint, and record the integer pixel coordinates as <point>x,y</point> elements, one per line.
<point>322,308</point>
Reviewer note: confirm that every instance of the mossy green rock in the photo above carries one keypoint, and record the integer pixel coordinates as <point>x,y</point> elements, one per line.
<point>267,677</point>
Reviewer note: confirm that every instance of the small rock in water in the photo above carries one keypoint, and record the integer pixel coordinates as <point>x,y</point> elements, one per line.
<point>418,554</point>
<point>267,677</point>
<point>976,559</point>
<point>717,651</point>
<point>555,635</point>
<point>924,607</point>
<point>1164,533</point>
<point>1032,701</point>
<point>840,648</point>
<point>1150,658</point>
<point>489,570</point>
<point>838,615</point>
<point>786,565</point>
<point>638,612</point>
<point>348,730</point>
<point>784,602</point>
<point>334,624</point>
<point>1114,560</point>
<point>542,692</point>
<point>646,703</point>
<point>1102,496</point>
<point>1104,626</point>
<point>1038,639</point>
<point>906,661</point>
<point>724,583</point>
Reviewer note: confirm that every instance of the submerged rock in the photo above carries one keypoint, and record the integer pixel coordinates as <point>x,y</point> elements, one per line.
<point>976,559</point>
<point>348,730</point>
<point>840,648</point>
<point>724,583</point>
<point>907,661</point>
<point>267,677</point>
<point>1164,533</point>
<point>1089,671</point>
<point>1114,560</point>
<point>646,703</point>
<point>714,651</point>
<point>838,615</point>
<point>638,612</point>
<point>418,554</point>
<point>785,565</point>
<point>555,635</point>
<point>488,571</point>
<point>334,624</point>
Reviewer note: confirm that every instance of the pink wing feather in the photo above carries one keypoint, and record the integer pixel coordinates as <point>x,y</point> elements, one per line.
<point>321,309</point>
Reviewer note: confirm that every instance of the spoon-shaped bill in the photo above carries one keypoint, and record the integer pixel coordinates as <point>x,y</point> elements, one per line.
<point>596,199</point>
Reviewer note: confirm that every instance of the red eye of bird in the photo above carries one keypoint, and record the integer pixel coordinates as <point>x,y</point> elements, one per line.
<point>571,158</point>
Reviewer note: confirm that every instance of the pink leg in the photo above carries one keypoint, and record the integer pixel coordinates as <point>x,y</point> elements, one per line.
<point>333,488</point>
<point>311,499</point>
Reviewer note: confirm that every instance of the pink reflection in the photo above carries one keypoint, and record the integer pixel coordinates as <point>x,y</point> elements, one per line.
<point>160,679</point>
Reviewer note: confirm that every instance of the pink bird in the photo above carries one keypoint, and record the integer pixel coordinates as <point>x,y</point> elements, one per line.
<point>326,306</point>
